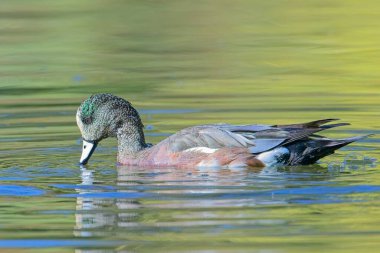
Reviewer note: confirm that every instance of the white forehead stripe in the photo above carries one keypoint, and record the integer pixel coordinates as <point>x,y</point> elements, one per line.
<point>202,150</point>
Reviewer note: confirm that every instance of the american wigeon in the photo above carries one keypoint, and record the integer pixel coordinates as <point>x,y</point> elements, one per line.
<point>105,115</point>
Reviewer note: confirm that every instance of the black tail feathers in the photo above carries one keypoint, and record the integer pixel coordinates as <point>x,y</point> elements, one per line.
<point>304,152</point>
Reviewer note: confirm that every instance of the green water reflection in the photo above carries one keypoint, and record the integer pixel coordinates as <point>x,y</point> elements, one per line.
<point>183,63</point>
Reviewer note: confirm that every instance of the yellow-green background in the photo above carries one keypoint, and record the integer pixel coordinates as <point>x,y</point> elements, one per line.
<point>183,63</point>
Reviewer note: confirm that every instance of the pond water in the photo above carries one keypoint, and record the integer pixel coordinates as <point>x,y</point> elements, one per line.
<point>184,63</point>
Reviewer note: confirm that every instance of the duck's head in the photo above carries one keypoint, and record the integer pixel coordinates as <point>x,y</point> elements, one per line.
<point>105,115</point>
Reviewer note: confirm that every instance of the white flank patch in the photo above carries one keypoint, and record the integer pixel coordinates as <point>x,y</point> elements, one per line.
<point>202,150</point>
<point>271,158</point>
<point>208,164</point>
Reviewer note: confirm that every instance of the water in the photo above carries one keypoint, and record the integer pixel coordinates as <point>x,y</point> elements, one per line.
<point>184,63</point>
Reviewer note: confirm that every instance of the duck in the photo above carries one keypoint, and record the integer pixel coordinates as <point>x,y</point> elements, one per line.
<point>210,145</point>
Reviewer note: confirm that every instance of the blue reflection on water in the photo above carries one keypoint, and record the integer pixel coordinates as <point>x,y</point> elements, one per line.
<point>14,179</point>
<point>116,195</point>
<point>329,190</point>
<point>311,195</point>
<point>323,193</point>
<point>19,190</point>
<point>41,243</point>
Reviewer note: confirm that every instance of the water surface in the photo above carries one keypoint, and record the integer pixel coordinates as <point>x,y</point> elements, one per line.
<point>183,63</point>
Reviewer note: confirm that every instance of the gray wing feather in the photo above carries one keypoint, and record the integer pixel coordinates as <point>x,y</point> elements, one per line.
<point>215,136</point>
<point>262,145</point>
<point>258,138</point>
<point>247,128</point>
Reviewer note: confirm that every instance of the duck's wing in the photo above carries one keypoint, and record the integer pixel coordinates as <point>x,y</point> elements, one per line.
<point>214,137</point>
<point>257,138</point>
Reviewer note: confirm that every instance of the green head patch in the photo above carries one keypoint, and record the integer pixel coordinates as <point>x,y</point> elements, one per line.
<point>87,111</point>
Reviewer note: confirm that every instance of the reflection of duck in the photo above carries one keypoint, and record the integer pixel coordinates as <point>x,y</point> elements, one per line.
<point>105,115</point>
<point>98,216</point>
<point>87,219</point>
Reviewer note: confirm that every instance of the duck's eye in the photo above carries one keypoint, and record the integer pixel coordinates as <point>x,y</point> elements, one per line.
<point>87,120</point>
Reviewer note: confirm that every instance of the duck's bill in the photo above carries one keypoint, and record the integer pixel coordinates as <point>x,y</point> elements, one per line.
<point>87,150</point>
